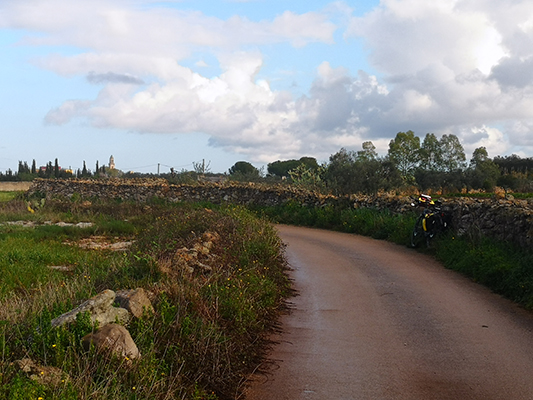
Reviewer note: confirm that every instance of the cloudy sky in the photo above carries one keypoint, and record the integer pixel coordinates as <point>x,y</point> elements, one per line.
<point>174,82</point>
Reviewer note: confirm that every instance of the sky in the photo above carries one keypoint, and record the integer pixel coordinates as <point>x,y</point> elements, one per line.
<point>160,84</point>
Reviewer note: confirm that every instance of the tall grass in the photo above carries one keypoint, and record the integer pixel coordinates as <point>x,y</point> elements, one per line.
<point>379,224</point>
<point>503,267</point>
<point>216,277</point>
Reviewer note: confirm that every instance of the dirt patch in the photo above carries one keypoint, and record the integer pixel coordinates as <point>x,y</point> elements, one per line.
<point>14,186</point>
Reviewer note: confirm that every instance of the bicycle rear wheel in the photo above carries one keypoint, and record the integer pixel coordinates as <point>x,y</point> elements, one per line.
<point>418,234</point>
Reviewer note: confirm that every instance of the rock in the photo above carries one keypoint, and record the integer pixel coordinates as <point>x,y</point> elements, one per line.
<point>113,338</point>
<point>101,309</point>
<point>135,301</point>
<point>50,376</point>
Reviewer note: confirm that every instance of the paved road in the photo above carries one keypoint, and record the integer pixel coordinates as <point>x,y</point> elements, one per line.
<point>378,321</point>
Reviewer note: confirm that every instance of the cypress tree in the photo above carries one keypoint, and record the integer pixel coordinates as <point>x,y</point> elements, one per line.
<point>56,169</point>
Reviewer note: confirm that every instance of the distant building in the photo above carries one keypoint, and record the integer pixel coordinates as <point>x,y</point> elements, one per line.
<point>111,163</point>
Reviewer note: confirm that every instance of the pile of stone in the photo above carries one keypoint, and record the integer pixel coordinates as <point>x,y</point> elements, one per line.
<point>111,334</point>
<point>111,312</point>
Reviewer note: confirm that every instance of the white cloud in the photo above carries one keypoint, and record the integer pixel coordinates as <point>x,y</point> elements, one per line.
<point>452,66</point>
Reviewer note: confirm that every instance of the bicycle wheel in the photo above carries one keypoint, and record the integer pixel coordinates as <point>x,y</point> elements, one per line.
<point>418,234</point>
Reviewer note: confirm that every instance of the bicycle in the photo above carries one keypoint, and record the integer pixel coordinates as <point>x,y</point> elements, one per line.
<point>432,221</point>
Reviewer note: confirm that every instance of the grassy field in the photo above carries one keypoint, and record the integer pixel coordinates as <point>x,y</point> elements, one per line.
<point>210,322</point>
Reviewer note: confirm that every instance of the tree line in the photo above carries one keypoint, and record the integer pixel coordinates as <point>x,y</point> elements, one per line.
<point>49,171</point>
<point>428,163</point>
<point>431,163</point>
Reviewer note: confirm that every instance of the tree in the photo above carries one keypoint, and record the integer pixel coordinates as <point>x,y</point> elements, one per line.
<point>483,172</point>
<point>453,154</point>
<point>404,152</point>
<point>33,167</point>
<point>352,172</point>
<point>49,169</point>
<point>56,168</point>
<point>84,171</point>
<point>431,154</point>
<point>308,178</point>
<point>479,156</point>
<point>282,168</point>
<point>243,168</point>
<point>514,163</point>
<point>340,172</point>
<point>368,153</point>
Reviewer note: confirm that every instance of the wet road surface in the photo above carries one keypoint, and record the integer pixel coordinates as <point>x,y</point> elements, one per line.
<point>374,320</point>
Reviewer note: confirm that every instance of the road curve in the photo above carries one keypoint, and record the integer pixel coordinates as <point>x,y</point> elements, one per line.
<point>374,320</point>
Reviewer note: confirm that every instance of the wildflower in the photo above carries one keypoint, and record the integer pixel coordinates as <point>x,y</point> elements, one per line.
<point>54,345</point>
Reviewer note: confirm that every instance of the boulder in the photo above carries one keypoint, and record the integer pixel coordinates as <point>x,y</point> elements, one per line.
<point>113,338</point>
<point>135,301</point>
<point>101,309</point>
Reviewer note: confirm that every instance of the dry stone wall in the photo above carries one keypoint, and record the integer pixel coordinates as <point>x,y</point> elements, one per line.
<point>505,219</point>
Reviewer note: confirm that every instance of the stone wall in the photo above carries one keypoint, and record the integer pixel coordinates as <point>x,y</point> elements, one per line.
<point>504,219</point>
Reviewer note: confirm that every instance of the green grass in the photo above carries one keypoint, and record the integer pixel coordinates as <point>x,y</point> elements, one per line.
<point>209,327</point>
<point>504,268</point>
<point>379,224</point>
<point>8,196</point>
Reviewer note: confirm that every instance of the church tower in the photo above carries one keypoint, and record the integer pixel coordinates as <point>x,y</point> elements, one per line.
<point>111,163</point>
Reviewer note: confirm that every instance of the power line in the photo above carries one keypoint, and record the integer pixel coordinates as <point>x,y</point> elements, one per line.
<point>179,166</point>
